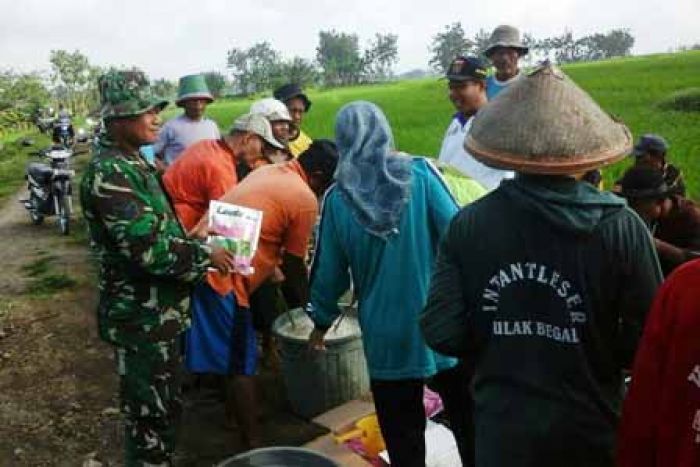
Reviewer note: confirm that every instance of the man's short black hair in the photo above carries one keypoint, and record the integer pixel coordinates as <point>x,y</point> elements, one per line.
<point>644,183</point>
<point>320,158</point>
<point>290,91</point>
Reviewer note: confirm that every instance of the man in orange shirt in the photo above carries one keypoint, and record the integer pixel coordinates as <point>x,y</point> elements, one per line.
<point>287,194</point>
<point>207,169</point>
<point>202,173</point>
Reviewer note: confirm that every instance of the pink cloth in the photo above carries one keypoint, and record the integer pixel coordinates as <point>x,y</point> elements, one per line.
<point>432,402</point>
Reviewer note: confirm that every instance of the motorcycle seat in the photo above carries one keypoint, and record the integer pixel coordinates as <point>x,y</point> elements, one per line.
<point>42,173</point>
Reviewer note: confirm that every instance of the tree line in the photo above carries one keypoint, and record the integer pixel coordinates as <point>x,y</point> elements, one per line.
<point>340,60</point>
<point>452,41</point>
<point>72,79</point>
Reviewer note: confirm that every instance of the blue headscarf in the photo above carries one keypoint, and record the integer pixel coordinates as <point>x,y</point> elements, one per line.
<point>371,176</point>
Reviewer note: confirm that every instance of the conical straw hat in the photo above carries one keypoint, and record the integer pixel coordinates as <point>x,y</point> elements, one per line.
<point>544,123</point>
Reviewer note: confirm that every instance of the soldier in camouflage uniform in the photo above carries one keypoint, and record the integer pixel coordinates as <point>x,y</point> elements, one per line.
<point>147,266</point>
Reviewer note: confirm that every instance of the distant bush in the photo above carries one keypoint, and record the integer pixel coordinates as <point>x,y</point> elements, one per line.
<point>686,100</point>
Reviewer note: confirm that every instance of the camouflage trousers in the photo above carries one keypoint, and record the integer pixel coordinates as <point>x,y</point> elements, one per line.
<point>150,401</point>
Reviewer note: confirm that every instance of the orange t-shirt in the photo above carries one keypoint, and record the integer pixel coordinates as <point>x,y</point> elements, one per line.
<point>203,172</point>
<point>289,209</point>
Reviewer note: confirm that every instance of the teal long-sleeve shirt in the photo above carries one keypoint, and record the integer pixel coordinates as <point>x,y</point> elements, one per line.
<point>391,277</point>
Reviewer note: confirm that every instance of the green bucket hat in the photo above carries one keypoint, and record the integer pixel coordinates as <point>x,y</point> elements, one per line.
<point>126,94</point>
<point>193,87</point>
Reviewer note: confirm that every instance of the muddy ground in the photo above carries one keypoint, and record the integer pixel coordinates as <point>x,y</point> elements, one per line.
<point>58,384</point>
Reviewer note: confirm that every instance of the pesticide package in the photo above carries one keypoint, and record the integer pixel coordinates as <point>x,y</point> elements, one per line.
<point>237,229</point>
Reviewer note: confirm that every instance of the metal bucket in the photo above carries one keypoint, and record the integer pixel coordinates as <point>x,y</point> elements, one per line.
<point>279,457</point>
<point>318,381</point>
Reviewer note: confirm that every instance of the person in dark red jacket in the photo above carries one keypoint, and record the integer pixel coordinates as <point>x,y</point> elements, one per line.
<point>673,220</point>
<point>661,416</point>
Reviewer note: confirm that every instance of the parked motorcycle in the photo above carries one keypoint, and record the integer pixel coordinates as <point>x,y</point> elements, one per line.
<point>44,124</point>
<point>87,135</point>
<point>63,133</point>
<point>82,136</point>
<point>50,187</point>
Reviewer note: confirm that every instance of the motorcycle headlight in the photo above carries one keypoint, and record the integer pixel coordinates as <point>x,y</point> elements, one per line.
<point>63,173</point>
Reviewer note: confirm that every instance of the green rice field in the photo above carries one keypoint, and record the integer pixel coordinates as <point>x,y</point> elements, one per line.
<point>630,88</point>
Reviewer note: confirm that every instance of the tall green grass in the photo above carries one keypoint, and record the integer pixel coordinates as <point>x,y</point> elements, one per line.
<point>630,88</point>
<point>633,88</point>
<point>14,158</point>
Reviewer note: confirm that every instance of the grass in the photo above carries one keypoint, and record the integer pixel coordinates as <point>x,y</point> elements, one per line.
<point>78,227</point>
<point>686,100</point>
<point>631,88</point>
<point>38,267</point>
<point>44,281</point>
<point>49,284</point>
<point>14,159</point>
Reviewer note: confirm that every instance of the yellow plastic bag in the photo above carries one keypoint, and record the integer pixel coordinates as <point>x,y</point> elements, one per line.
<point>367,430</point>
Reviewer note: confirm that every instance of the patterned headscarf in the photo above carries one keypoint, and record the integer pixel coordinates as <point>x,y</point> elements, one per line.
<point>371,176</point>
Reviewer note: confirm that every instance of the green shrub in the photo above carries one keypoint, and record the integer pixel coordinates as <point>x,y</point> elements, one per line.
<point>49,284</point>
<point>14,159</point>
<point>685,100</point>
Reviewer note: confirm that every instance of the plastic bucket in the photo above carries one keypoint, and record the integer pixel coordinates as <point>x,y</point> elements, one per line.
<point>318,381</point>
<point>279,457</point>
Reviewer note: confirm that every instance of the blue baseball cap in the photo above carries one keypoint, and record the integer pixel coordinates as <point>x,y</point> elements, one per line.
<point>467,68</point>
<point>650,143</point>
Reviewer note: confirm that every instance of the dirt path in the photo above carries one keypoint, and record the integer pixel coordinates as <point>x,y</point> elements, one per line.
<point>58,385</point>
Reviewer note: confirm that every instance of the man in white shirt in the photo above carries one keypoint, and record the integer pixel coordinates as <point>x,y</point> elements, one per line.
<point>192,126</point>
<point>504,50</point>
<point>467,85</point>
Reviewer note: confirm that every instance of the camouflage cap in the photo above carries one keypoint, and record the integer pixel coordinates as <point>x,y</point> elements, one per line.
<point>126,94</point>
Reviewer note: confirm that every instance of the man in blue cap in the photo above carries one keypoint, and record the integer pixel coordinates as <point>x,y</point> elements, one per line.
<point>467,91</point>
<point>650,151</point>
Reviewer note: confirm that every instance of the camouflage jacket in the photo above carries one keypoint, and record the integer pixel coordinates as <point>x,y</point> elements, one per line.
<point>147,264</point>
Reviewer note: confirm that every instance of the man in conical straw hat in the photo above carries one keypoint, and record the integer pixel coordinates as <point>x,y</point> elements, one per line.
<point>543,285</point>
<point>504,50</point>
<point>192,126</point>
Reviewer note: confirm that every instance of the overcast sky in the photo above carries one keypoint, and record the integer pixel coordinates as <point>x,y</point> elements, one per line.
<point>170,38</point>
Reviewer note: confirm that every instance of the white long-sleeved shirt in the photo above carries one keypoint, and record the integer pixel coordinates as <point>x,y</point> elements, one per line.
<point>452,153</point>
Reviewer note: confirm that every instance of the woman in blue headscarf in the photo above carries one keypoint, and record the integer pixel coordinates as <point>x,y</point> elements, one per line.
<point>381,223</point>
